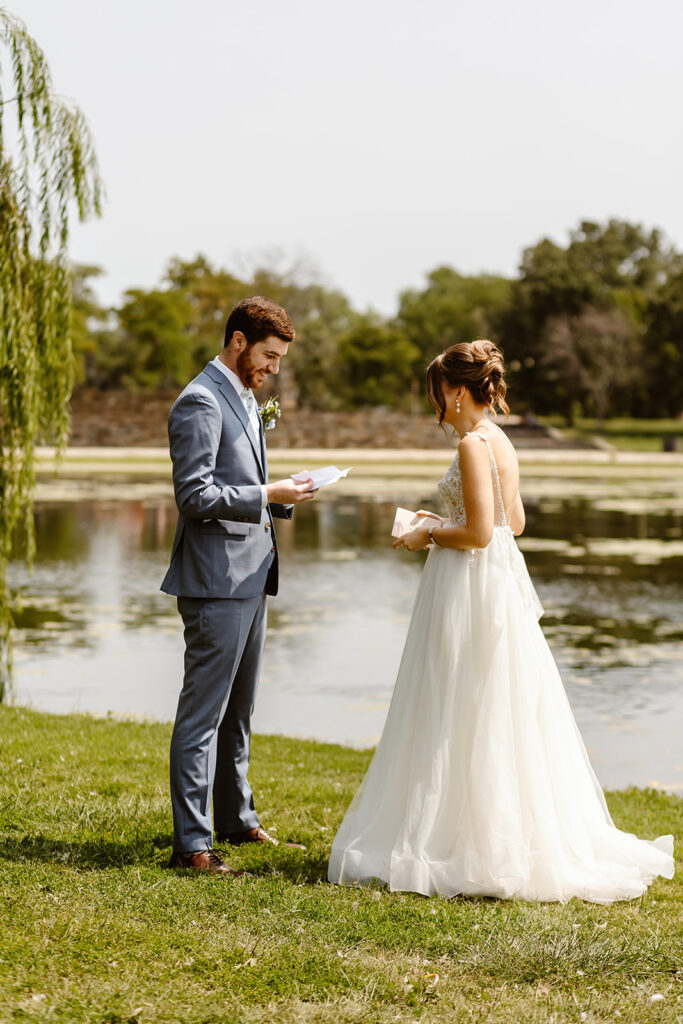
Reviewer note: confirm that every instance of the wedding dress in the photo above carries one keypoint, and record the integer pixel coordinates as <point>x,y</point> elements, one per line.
<point>481,783</point>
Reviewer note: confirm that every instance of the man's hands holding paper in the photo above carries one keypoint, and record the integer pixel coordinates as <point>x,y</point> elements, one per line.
<point>289,492</point>
<point>305,485</point>
<point>320,477</point>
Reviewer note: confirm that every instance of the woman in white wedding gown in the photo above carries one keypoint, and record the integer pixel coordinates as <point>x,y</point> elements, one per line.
<point>481,783</point>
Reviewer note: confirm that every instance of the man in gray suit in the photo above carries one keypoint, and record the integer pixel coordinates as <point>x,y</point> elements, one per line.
<point>223,564</point>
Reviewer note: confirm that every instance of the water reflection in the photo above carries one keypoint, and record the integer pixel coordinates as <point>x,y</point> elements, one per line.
<point>95,633</point>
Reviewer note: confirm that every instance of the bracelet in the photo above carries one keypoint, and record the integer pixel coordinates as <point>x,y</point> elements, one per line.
<point>432,538</point>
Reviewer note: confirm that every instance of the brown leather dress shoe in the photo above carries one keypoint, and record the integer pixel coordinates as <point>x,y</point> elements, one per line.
<point>203,860</point>
<point>254,835</point>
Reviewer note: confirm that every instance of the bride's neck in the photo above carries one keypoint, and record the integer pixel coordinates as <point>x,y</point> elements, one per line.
<point>474,419</point>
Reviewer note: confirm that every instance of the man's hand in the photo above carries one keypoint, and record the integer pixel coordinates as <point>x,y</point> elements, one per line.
<point>286,492</point>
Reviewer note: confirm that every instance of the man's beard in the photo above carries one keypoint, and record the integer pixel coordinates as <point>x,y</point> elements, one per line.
<point>246,371</point>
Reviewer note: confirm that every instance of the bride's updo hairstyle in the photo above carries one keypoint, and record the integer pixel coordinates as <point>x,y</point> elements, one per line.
<point>476,365</point>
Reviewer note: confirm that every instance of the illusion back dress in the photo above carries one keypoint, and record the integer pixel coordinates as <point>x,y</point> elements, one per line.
<point>481,783</point>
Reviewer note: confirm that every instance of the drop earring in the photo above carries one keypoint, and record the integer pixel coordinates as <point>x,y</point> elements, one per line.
<point>457,405</point>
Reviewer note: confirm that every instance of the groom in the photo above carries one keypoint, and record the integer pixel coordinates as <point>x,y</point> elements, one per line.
<point>223,564</point>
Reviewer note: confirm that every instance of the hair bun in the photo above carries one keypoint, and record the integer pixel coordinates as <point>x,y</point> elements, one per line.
<point>478,365</point>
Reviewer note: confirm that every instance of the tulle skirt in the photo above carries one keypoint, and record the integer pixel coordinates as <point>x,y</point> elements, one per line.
<point>481,783</point>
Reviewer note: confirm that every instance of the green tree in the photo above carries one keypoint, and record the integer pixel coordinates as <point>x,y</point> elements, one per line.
<point>47,163</point>
<point>88,322</point>
<point>156,338</point>
<point>593,357</point>
<point>452,308</point>
<point>600,264</point>
<point>166,335</point>
<point>209,294</point>
<point>310,376</point>
<point>151,348</point>
<point>377,361</point>
<point>663,395</point>
<point>616,266</point>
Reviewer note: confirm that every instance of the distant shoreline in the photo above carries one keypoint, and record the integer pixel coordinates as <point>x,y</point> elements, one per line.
<point>116,474</point>
<point>105,459</point>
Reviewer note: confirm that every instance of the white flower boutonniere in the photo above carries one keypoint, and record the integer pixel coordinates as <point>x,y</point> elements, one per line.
<point>270,412</point>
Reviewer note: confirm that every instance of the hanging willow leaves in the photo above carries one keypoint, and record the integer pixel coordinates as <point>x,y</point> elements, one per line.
<point>48,169</point>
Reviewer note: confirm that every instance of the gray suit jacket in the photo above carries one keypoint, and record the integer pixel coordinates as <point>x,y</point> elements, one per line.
<point>224,543</point>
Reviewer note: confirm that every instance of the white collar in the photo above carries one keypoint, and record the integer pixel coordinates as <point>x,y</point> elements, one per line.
<point>230,374</point>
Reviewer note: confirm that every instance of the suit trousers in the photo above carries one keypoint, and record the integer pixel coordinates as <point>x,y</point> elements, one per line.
<point>224,640</point>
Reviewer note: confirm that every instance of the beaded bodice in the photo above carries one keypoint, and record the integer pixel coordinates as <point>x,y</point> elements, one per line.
<point>450,489</point>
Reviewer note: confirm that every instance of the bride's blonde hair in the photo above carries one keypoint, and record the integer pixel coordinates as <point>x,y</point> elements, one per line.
<point>478,366</point>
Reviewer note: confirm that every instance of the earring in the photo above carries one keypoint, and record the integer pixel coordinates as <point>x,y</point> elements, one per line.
<point>457,405</point>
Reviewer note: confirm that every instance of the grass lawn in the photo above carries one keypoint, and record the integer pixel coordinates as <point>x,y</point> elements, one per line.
<point>624,433</point>
<point>96,929</point>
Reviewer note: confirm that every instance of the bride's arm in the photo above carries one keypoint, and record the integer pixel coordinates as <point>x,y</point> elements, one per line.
<point>477,494</point>
<point>430,515</point>
<point>517,516</point>
<point>475,470</point>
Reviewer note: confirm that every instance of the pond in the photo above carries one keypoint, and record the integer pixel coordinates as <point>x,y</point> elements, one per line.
<point>95,634</point>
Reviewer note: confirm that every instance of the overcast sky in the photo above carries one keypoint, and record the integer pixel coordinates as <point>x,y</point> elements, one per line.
<point>375,139</point>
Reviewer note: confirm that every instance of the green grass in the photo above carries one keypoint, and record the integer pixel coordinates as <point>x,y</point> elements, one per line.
<point>96,929</point>
<point>623,432</point>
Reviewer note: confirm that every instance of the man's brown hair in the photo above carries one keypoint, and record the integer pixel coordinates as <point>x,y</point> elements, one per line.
<point>258,318</point>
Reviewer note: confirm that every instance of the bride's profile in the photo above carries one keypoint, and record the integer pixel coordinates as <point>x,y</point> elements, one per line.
<point>481,784</point>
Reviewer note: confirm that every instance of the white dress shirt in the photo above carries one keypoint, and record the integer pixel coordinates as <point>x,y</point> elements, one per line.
<point>239,387</point>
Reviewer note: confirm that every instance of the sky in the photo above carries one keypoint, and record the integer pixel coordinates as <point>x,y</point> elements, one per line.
<point>369,141</point>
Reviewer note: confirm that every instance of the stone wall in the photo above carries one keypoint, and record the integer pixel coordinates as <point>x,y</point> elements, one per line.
<point>124,419</point>
<point>117,419</point>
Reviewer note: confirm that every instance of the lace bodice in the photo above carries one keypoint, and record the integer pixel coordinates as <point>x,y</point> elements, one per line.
<point>450,492</point>
<point>450,489</point>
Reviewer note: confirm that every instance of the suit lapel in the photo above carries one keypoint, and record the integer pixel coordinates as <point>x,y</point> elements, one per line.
<point>235,402</point>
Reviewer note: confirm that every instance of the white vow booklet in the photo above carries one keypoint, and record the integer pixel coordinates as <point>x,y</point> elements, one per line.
<point>321,477</point>
<point>405,521</point>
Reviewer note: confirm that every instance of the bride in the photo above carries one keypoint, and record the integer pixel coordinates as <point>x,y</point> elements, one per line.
<point>481,783</point>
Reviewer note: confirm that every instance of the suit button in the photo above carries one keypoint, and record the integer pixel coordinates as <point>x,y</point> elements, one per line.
<point>272,549</point>
<point>267,526</point>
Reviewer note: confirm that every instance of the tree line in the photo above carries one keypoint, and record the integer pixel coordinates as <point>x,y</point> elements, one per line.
<point>590,328</point>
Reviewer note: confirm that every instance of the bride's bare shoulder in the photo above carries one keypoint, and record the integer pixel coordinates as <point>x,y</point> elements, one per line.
<point>471,444</point>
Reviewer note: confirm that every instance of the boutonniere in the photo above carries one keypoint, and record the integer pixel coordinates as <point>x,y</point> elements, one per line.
<point>270,412</point>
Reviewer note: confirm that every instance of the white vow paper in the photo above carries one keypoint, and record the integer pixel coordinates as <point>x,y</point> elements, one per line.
<point>405,521</point>
<point>321,477</point>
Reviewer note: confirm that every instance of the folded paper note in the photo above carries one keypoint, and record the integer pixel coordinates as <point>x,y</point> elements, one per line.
<point>321,477</point>
<point>405,521</point>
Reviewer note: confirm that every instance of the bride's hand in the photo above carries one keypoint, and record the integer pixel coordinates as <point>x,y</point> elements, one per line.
<point>432,515</point>
<point>415,540</point>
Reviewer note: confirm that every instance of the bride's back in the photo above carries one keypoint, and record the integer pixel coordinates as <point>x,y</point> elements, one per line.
<point>506,462</point>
